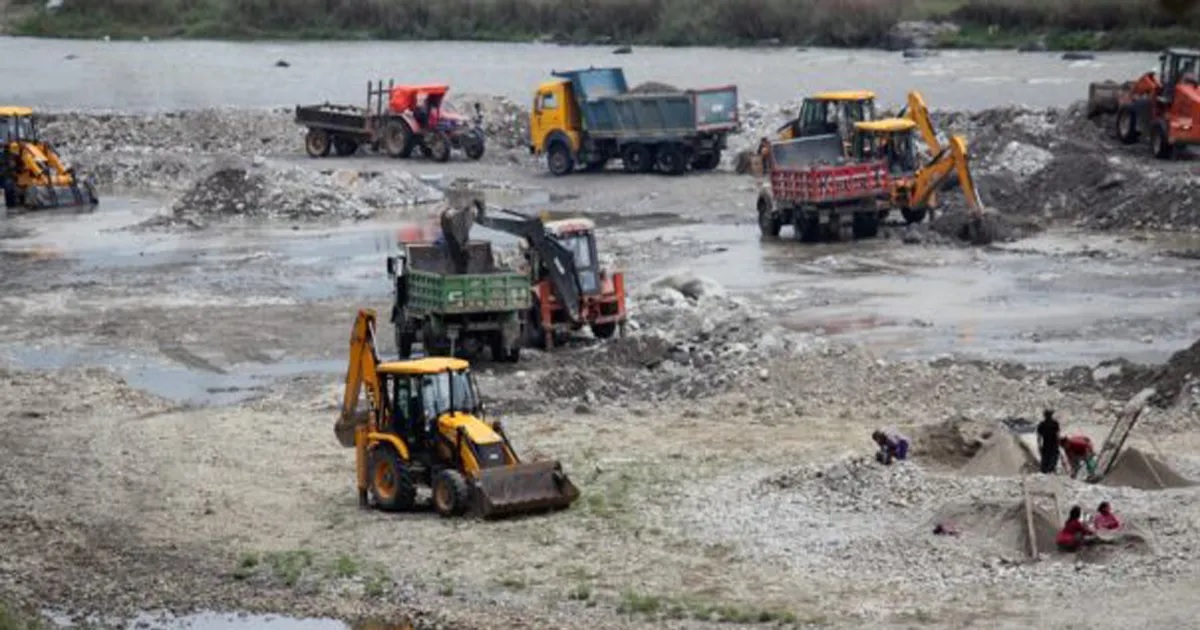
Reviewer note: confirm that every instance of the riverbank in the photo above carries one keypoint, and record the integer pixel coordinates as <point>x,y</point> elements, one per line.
<point>1053,25</point>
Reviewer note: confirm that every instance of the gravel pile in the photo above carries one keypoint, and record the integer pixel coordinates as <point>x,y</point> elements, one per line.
<point>1177,381</point>
<point>249,190</point>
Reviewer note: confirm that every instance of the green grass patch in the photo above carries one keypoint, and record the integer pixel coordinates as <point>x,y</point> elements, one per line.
<point>13,619</point>
<point>581,593</point>
<point>512,583</point>
<point>659,606</point>
<point>289,566</point>
<point>345,567</point>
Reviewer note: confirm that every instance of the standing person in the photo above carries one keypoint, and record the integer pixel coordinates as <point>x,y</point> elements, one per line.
<point>1047,431</point>
<point>1074,533</point>
<point>1105,519</point>
<point>891,446</point>
<point>1080,453</point>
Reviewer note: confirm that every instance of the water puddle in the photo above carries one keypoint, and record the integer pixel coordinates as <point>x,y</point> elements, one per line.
<point>188,386</point>
<point>231,621</point>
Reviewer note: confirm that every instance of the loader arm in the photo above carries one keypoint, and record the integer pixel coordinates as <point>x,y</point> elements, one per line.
<point>919,113</point>
<point>556,259</point>
<point>931,178</point>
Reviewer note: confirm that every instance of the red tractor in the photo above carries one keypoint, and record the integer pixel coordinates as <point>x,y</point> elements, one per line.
<point>397,120</point>
<point>1166,105</point>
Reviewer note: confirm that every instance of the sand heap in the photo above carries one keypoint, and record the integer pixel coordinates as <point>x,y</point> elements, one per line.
<point>1137,469</point>
<point>952,442</point>
<point>1000,526</point>
<point>1002,455</point>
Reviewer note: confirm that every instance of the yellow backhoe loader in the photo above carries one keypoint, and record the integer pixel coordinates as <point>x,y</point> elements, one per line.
<point>423,426</point>
<point>32,173</point>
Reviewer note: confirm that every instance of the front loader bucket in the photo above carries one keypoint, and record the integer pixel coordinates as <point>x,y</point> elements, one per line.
<point>45,197</point>
<point>1102,98</point>
<point>523,488</point>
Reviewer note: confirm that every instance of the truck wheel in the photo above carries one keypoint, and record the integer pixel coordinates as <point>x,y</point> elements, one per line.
<point>450,493</point>
<point>1127,130</point>
<point>671,159</point>
<point>559,160</point>
<point>316,143</point>
<point>707,161</point>
<point>637,158</point>
<point>866,224</point>
<point>535,337</point>
<point>1160,142</point>
<point>808,227</point>
<point>604,331</point>
<point>404,343</point>
<point>913,215</point>
<point>474,144</point>
<point>10,195</point>
<point>769,222</point>
<point>390,480</point>
<point>397,139</point>
<point>345,146</point>
<point>439,147</point>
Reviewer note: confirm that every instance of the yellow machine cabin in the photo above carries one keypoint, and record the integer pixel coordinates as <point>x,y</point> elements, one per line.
<point>830,112</point>
<point>32,173</point>
<point>423,426</point>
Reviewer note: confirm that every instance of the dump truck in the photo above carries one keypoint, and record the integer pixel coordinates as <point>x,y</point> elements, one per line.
<point>1164,106</point>
<point>424,425</point>
<point>587,117</point>
<point>452,296</point>
<point>32,172</point>
<point>398,120</point>
<point>811,185</point>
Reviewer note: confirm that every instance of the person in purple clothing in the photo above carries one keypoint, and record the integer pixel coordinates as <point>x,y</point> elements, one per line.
<point>892,446</point>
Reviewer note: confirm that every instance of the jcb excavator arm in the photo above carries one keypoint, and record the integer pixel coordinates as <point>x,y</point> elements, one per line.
<point>930,178</point>
<point>919,114</point>
<point>556,259</point>
<point>43,166</point>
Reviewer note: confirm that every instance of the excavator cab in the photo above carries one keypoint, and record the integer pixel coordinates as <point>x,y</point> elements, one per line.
<point>31,172</point>
<point>1176,66</point>
<point>578,236</point>
<point>424,426</point>
<point>830,112</point>
<point>891,139</point>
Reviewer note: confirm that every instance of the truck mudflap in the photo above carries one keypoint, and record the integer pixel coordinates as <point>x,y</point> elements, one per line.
<point>522,488</point>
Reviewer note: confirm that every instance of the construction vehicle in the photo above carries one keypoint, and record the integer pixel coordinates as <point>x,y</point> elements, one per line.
<point>588,117</point>
<point>424,425</point>
<point>570,287</point>
<point>33,174</point>
<point>451,296</point>
<point>398,119</point>
<point>812,186</point>
<point>1165,105</point>
<point>830,112</point>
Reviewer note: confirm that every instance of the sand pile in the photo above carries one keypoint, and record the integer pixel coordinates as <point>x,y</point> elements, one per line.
<point>999,526</point>
<point>1002,455</point>
<point>952,442</point>
<point>1137,469</point>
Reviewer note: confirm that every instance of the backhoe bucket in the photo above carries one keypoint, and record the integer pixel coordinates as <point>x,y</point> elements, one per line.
<point>1102,98</point>
<point>522,488</point>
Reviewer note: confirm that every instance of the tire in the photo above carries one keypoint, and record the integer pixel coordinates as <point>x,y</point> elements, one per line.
<point>808,227</point>
<point>866,224</point>
<point>1160,142</point>
<point>769,222</point>
<point>707,161</point>
<point>89,189</point>
<point>404,343</point>
<point>1127,130</point>
<point>604,331</point>
<point>451,495</point>
<point>501,354</point>
<point>397,139</point>
<point>637,158</point>
<point>913,215</point>
<point>439,147</point>
<point>474,144</point>
<point>10,195</point>
<point>344,147</point>
<point>535,336</point>
<point>390,481</point>
<point>317,143</point>
<point>671,159</point>
<point>559,160</point>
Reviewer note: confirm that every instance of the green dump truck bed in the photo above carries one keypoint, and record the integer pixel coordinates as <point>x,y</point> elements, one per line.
<point>454,294</point>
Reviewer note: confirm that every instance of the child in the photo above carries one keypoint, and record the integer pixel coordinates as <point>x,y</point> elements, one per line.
<point>1074,533</point>
<point>890,447</point>
<point>1105,519</point>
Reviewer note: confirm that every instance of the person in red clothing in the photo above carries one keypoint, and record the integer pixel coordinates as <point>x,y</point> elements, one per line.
<point>1105,519</point>
<point>1079,453</point>
<point>1075,533</point>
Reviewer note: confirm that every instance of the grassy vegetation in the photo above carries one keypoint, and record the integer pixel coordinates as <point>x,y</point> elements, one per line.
<point>1073,24</point>
<point>13,619</point>
<point>658,606</point>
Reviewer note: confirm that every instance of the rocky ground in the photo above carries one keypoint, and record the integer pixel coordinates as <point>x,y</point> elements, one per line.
<point>721,447</point>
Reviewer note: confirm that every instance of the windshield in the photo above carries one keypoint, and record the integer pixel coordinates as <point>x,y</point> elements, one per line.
<point>448,392</point>
<point>580,246</point>
<point>17,127</point>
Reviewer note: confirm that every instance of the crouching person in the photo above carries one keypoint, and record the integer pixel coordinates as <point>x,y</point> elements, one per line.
<point>1075,533</point>
<point>892,446</point>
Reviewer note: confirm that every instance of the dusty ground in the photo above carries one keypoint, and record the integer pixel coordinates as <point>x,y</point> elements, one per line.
<point>172,385</point>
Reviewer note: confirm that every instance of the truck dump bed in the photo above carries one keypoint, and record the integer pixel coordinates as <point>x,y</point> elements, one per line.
<point>813,170</point>
<point>347,118</point>
<point>609,109</point>
<point>433,287</point>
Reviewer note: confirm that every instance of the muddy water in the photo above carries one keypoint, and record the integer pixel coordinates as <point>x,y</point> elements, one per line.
<point>81,74</point>
<point>1056,300</point>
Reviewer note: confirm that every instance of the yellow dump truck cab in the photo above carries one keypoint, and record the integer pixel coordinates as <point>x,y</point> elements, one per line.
<point>555,118</point>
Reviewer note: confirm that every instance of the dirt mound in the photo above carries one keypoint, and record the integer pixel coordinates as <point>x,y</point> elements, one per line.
<point>1137,469</point>
<point>654,87</point>
<point>1000,526</point>
<point>952,442</point>
<point>1001,456</point>
<point>1120,378</point>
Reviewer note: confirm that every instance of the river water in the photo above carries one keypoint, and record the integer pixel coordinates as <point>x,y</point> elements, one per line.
<point>134,75</point>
